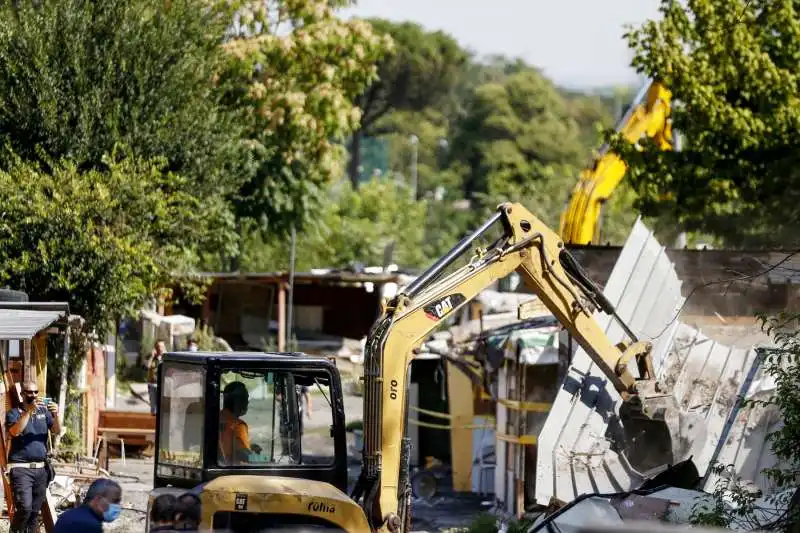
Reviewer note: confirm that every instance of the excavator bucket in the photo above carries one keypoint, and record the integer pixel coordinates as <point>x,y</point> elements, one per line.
<point>594,441</point>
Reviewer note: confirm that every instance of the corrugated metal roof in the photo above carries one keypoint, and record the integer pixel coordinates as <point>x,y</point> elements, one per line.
<point>575,454</point>
<point>307,277</point>
<point>25,324</point>
<point>744,441</point>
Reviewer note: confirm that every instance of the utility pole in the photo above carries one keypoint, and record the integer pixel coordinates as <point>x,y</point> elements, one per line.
<point>289,317</point>
<point>414,154</point>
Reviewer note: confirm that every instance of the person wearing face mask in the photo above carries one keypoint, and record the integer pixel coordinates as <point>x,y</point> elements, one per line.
<point>101,504</point>
<point>28,426</point>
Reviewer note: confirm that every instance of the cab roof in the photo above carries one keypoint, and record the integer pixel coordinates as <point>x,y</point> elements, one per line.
<point>203,358</point>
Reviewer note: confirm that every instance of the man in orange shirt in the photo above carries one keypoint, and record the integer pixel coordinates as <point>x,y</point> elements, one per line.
<point>234,437</point>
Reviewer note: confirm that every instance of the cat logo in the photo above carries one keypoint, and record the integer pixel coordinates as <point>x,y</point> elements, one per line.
<point>240,503</point>
<point>440,308</point>
<point>321,507</point>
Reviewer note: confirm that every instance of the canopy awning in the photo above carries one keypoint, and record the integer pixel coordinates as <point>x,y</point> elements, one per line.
<point>24,324</point>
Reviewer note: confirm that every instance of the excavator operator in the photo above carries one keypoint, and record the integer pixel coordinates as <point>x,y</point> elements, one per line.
<point>234,434</point>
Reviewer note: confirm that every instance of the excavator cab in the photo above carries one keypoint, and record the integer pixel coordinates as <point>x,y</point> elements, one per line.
<point>237,415</point>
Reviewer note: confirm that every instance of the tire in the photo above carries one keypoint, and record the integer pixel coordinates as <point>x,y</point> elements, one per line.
<point>9,295</point>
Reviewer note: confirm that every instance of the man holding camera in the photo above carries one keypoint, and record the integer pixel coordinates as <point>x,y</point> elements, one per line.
<point>28,426</point>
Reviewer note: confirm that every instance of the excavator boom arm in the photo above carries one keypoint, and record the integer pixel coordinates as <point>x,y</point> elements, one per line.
<point>648,116</point>
<point>528,247</point>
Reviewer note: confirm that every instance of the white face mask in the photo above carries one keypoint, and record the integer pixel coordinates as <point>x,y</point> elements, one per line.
<point>192,347</point>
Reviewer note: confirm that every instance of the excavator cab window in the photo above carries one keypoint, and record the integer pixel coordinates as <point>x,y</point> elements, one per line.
<point>249,413</point>
<point>263,418</point>
<point>258,422</point>
<point>181,421</point>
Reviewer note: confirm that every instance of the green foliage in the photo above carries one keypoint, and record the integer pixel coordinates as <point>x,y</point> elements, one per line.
<point>146,345</point>
<point>519,142</point>
<point>733,67</point>
<point>295,69</point>
<point>354,425</point>
<point>734,503</point>
<point>592,113</point>
<point>420,74</point>
<point>487,523</point>
<point>73,412</point>
<point>255,119</point>
<point>78,78</point>
<point>520,526</point>
<point>431,129</point>
<point>102,239</point>
<point>354,226</point>
<point>206,340</point>
<point>446,222</point>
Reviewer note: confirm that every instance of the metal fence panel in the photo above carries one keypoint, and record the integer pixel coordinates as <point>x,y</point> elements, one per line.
<point>575,454</point>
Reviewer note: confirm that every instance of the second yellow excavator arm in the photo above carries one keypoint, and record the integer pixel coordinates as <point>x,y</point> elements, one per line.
<point>648,116</point>
<point>533,250</point>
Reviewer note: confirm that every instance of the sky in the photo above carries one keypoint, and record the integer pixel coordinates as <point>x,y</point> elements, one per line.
<point>576,43</point>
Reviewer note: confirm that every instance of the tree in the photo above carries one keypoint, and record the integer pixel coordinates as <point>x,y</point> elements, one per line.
<point>355,226</point>
<point>78,78</point>
<point>422,72</point>
<point>103,239</point>
<point>419,138</point>
<point>733,68</point>
<point>296,69</point>
<point>518,141</point>
<point>593,114</point>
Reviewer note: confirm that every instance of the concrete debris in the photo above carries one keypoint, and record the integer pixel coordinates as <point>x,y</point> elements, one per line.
<point>669,505</point>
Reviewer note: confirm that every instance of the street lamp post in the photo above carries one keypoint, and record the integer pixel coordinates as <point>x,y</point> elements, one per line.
<point>414,155</point>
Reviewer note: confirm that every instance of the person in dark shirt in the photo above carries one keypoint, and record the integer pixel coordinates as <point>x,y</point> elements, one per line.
<point>162,512</point>
<point>101,504</point>
<point>28,426</point>
<point>187,514</point>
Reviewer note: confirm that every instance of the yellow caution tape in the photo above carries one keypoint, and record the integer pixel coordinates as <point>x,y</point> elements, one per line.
<point>432,413</point>
<point>447,416</point>
<point>447,426</point>
<point>528,440</point>
<point>538,407</point>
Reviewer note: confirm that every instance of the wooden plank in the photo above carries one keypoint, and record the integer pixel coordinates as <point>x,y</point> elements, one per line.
<point>14,399</point>
<point>39,360</point>
<point>126,420</point>
<point>49,511</point>
<point>126,431</point>
<point>28,367</point>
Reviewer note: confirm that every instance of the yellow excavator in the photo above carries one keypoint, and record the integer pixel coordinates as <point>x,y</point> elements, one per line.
<point>648,116</point>
<point>279,486</point>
